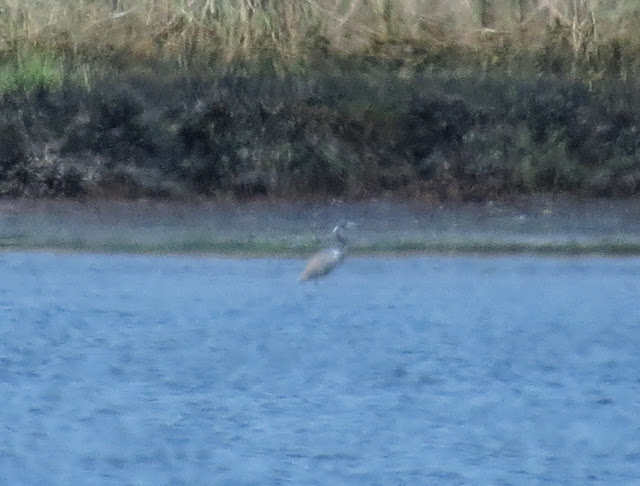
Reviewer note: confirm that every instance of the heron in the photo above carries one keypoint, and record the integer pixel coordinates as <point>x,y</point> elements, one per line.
<point>326,260</point>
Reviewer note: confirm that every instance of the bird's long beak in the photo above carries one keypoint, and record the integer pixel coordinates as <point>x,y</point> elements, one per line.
<point>347,225</point>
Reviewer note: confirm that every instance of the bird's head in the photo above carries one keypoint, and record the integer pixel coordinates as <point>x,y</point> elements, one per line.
<point>337,231</point>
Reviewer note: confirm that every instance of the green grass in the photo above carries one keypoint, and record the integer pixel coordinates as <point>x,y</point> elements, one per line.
<point>30,73</point>
<point>283,248</point>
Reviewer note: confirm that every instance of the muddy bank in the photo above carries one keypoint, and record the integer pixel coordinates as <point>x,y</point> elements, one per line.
<point>551,225</point>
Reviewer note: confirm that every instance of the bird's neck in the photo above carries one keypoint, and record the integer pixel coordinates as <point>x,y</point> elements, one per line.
<point>341,239</point>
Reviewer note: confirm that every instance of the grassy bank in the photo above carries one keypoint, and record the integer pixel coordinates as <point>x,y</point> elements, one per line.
<point>255,249</point>
<point>298,99</point>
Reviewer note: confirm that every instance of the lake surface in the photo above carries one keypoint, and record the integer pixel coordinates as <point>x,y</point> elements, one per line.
<point>196,370</point>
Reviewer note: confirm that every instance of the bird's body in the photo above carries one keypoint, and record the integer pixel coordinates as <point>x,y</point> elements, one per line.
<point>326,260</point>
<point>322,263</point>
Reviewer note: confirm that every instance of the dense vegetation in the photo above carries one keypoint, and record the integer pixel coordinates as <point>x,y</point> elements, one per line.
<point>350,98</point>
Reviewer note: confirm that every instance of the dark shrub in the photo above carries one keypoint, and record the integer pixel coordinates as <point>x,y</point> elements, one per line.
<point>431,124</point>
<point>67,182</point>
<point>208,143</point>
<point>14,146</point>
<point>111,125</point>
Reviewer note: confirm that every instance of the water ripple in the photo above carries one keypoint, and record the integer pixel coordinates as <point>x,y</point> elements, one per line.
<point>431,370</point>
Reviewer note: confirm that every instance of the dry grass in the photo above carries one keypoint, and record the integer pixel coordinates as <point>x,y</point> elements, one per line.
<point>191,30</point>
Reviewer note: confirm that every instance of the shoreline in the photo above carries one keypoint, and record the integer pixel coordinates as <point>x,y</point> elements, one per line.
<point>604,249</point>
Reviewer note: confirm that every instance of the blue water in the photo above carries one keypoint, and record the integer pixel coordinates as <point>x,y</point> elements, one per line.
<point>168,370</point>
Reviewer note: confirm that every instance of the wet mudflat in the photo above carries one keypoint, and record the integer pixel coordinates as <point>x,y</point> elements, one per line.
<point>536,224</point>
<point>143,369</point>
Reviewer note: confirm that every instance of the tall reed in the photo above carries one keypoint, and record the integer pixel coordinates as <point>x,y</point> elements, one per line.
<point>192,31</point>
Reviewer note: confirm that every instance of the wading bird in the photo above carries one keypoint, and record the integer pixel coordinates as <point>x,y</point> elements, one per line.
<point>326,260</point>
